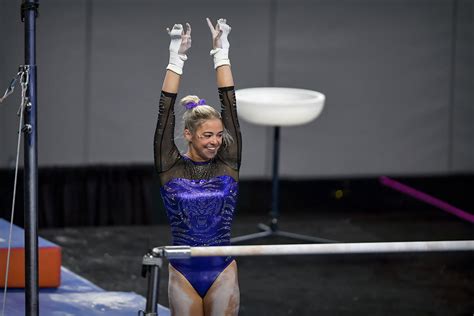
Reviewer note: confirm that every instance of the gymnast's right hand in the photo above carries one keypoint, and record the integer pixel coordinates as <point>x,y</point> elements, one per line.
<point>179,45</point>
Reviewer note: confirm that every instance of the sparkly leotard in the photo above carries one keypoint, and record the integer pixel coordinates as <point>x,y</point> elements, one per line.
<point>199,197</point>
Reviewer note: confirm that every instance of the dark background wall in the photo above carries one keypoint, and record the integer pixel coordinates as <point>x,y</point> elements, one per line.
<point>397,76</point>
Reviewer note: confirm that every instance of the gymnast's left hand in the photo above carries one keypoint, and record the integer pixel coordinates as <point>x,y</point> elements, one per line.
<point>219,33</point>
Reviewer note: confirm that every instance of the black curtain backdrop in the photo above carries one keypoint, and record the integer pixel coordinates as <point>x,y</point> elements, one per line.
<point>130,195</point>
<point>89,196</point>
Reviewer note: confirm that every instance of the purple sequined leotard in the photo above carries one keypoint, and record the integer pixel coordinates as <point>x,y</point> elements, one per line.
<point>199,197</point>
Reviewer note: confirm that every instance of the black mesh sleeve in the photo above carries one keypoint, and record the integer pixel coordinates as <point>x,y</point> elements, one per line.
<point>165,150</point>
<point>230,153</point>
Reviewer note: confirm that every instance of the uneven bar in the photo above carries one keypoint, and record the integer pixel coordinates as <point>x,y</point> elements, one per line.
<point>183,252</point>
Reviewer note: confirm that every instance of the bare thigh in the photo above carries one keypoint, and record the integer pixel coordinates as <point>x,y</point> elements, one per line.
<point>223,298</point>
<point>184,300</point>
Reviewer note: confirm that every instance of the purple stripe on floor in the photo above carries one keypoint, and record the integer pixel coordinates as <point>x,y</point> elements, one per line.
<point>426,198</point>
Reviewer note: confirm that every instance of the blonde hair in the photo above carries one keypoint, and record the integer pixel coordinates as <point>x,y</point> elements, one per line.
<point>196,116</point>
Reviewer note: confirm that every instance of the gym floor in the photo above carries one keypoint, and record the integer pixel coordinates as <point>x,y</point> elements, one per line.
<point>376,284</point>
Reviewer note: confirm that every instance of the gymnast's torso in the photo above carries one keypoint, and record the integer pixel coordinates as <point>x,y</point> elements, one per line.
<point>200,197</point>
<point>200,212</point>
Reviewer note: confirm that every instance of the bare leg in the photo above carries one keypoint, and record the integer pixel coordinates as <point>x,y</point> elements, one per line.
<point>184,300</point>
<point>223,298</point>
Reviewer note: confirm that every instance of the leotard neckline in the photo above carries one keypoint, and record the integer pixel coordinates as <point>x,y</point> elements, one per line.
<point>196,162</point>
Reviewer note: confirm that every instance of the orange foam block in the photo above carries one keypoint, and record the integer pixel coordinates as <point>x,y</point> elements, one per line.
<point>49,257</point>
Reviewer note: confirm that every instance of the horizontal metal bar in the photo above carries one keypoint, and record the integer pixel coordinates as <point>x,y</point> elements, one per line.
<point>183,252</point>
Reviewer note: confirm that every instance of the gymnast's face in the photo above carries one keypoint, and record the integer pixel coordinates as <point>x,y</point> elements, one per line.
<point>205,142</point>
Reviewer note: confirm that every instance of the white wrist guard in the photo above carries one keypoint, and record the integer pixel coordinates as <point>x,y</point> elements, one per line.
<point>221,57</point>
<point>176,62</point>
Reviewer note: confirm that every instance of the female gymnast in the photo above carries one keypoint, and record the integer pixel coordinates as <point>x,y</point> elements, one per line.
<point>199,187</point>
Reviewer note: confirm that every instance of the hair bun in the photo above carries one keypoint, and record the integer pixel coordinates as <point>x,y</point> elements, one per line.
<point>192,104</point>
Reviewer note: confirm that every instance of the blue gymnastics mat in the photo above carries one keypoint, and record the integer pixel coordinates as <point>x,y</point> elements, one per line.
<point>79,297</point>
<point>76,296</point>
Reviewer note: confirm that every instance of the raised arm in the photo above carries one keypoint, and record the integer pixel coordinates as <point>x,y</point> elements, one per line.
<point>231,153</point>
<point>165,151</point>
<point>224,76</point>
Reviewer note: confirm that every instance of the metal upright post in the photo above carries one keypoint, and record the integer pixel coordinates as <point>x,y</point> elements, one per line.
<point>151,265</point>
<point>153,290</point>
<point>29,13</point>
<point>275,180</point>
